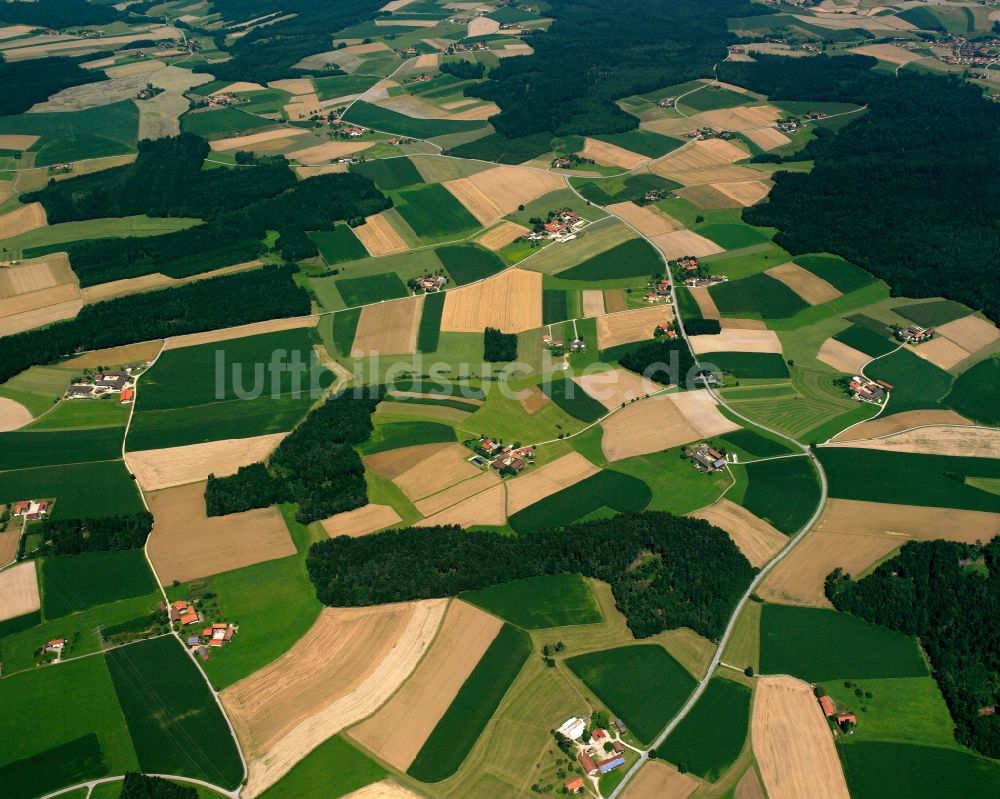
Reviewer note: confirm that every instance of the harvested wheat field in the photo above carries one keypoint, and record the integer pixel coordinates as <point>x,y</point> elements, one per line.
<point>392,463</point>
<point>593,302</point>
<point>388,328</point>
<point>500,236</point>
<point>344,668</point>
<point>841,357</point>
<point>361,521</point>
<point>328,151</point>
<point>883,426</point>
<point>303,172</point>
<point>510,301</point>
<point>756,539</point>
<point>241,331</point>
<point>707,306</point>
<point>8,546</point>
<point>482,26</point>
<point>247,142</point>
<point>15,320</point>
<point>808,286</point>
<point>629,326</point>
<point>398,731</point>
<point>163,468</point>
<point>22,219</point>
<point>495,192</point>
<point>485,508</point>
<point>13,415</point>
<point>240,86</point>
<point>532,400</point>
<point>744,192</point>
<point>457,492</point>
<point>36,282</point>
<point>540,482</point>
<point>657,780</point>
<point>385,789</point>
<point>436,471</point>
<point>615,300</point>
<point>708,198</point>
<point>742,118</point>
<point>706,161</point>
<point>379,237</point>
<point>19,590</point>
<point>115,356</point>
<point>767,138</point>
<point>736,340</point>
<point>186,544</point>
<point>611,154</point>
<point>731,323</point>
<point>427,61</point>
<point>684,242</point>
<point>941,352</point>
<point>477,113</point>
<point>648,220</point>
<point>157,280</point>
<point>749,786</point>
<point>970,333</point>
<point>962,440</point>
<point>887,52</point>
<point>792,742</point>
<point>294,85</point>
<point>616,386</point>
<point>855,535</point>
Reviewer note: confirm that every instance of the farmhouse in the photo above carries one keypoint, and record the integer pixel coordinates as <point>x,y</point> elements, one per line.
<point>30,510</point>
<point>598,737</point>
<point>914,334</point>
<point>826,703</point>
<point>704,282</point>
<point>217,635</point>
<point>512,460</point>
<point>704,457</point>
<point>574,785</point>
<point>864,390</point>
<point>55,647</point>
<point>563,225</point>
<point>588,763</point>
<point>428,283</point>
<point>184,612</point>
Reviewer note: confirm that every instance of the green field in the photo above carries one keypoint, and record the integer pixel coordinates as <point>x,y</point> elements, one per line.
<point>817,645</point>
<point>555,306</point>
<point>933,313</point>
<point>785,492</point>
<point>389,173</point>
<point>866,340</point>
<point>537,603</point>
<point>388,121</point>
<point>223,122</point>
<point>329,88</point>
<point>571,397</point>
<point>429,332</point>
<point>442,402</point>
<point>345,327</point>
<point>842,275</point>
<point>495,147</point>
<point>406,434</point>
<point>374,288</point>
<point>334,768</point>
<point>641,684</point>
<point>747,364</point>
<point>754,444</point>
<point>644,142</point>
<point>434,214</point>
<point>71,583</point>
<point>907,771</point>
<point>54,237</point>
<point>878,476</point>
<point>27,450</point>
<point>467,263</point>
<point>677,486</point>
<point>67,764</point>
<point>174,721</point>
<point>758,295</point>
<point>732,236</point>
<point>976,392</point>
<point>75,135</point>
<point>605,191</point>
<point>710,99</point>
<point>633,258</point>
<point>73,487</point>
<point>338,245</point>
<point>711,736</point>
<point>79,415</point>
<point>473,706</point>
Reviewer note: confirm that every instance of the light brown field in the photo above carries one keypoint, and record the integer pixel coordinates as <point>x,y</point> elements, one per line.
<point>437,471</point>
<point>247,142</point>
<point>855,535</point>
<point>408,105</point>
<point>328,151</point>
<point>629,326</point>
<point>616,386</point>
<point>808,286</point>
<point>887,52</point>
<point>521,48</point>
<point>457,492</point>
<point>736,341</point>
<point>302,107</point>
<point>842,21</point>
<point>16,51</point>
<point>533,400</point>
<point>792,742</point>
<point>510,301</point>
<point>10,31</point>
<point>229,333</point>
<point>163,468</point>
<point>12,416</point>
<point>304,172</point>
<point>756,539</point>
<point>427,61</point>
<point>767,138</point>
<point>978,442</point>
<point>897,422</point>
<point>294,85</point>
<point>116,356</point>
<point>388,328</point>
<point>481,26</point>
<point>8,546</point>
<point>395,5</point>
<point>35,275</point>
<point>361,521</point>
<point>707,306</point>
<point>22,219</point>
<point>384,789</point>
<point>502,235</point>
<point>240,86</point>
<point>742,118</point>
<point>970,333</point>
<point>495,192</point>
<point>706,161</point>
<point>135,68</point>
<point>17,141</point>
<point>393,462</point>
<point>744,192</point>
<point>539,482</point>
<point>731,323</point>
<point>137,285</point>
<point>18,590</point>
<point>39,317</point>
<point>593,302</point>
<point>478,112</point>
<point>669,126</point>
<point>611,154</point>
<point>344,668</point>
<point>32,300</point>
<point>186,544</point>
<point>707,197</point>
<point>398,731</point>
<point>749,786</point>
<point>657,780</point>
<point>485,508</point>
<point>841,357</point>
<point>648,220</point>
<point>685,242</point>
<point>379,237</point>
<point>941,352</point>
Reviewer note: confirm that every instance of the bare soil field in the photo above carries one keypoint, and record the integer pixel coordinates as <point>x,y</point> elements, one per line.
<point>615,300</point>
<point>186,544</point>
<point>941,352</point>
<point>392,463</point>
<point>116,356</point>
<point>706,161</point>
<point>657,780</point>
<point>248,141</point>
<point>855,535</point>
<point>379,237</point>
<point>510,301</point>
<point>884,426</point>
<point>385,789</point>
<point>611,154</point>
<point>749,786</point>
<point>792,742</point>
<point>398,731</point>
<point>975,442</point>
<point>439,470</point>
<point>302,107</point>
<point>22,219</point>
<point>539,482</point>
<point>970,333</point>
<point>8,546</point>
<point>744,192</point>
<point>502,235</point>
<point>361,521</point>
<point>344,668</point>
<point>484,508</point>
<point>707,306</point>
<point>13,415</point>
<point>240,86</point>
<point>841,357</point>
<point>648,220</point>
<point>808,286</point>
<point>729,323</point>
<point>737,341</point>
<point>887,52</point>
<point>304,172</point>
<point>388,328</point>
<point>767,138</point>
<point>19,590</point>
<point>163,468</point>
<point>757,540</point>
<point>638,325</point>
<point>159,116</point>
<point>593,302</point>
<point>328,151</point>
<point>457,492</point>
<point>616,386</point>
<point>685,242</point>
<point>17,141</point>
<point>495,192</point>
<point>241,331</point>
<point>533,400</point>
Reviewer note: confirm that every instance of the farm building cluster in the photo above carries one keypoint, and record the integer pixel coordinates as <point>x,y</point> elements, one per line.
<point>845,720</point>
<point>706,458</point>
<point>658,289</point>
<point>507,459</point>
<point>105,384</point>
<point>557,345</point>
<point>213,635</point>
<point>30,510</point>
<point>563,225</point>
<point>915,334</point>
<point>864,389</point>
<point>707,132</point>
<point>427,284</point>
<point>598,751</point>
<point>52,651</point>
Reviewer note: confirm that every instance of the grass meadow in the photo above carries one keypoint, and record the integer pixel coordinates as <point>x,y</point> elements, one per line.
<point>751,365</point>
<point>842,275</point>
<point>406,434</point>
<point>223,122</point>
<point>338,245</point>
<point>373,288</point>
<point>75,135</point>
<point>883,770</point>
<point>72,583</point>
<point>334,768</point>
<point>345,327</point>
<point>388,121</point>
<point>785,492</point>
<point>75,489</point>
<point>389,173</point>
<point>30,449</point>
<point>644,142</point>
<point>758,295</point>
<point>677,487</point>
<point>866,340</point>
<point>81,415</point>
<point>632,258</point>
<point>537,603</point>
<point>976,392</point>
<point>933,313</point>
<point>434,214</point>
<point>916,383</point>
<point>429,332</point>
<point>467,263</point>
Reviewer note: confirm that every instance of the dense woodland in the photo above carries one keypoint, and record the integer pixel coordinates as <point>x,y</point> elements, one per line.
<point>665,361</point>
<point>666,571</point>
<point>948,594</point>
<point>73,536</point>
<point>611,50</point>
<point>499,347</point>
<point>141,786</point>
<point>34,80</point>
<point>252,296</point>
<point>316,465</point>
<point>58,13</point>
<point>910,191</point>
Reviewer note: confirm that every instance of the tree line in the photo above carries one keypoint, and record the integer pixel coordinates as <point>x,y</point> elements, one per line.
<point>665,571</point>
<point>947,594</point>
<point>75,536</point>
<point>141,786</point>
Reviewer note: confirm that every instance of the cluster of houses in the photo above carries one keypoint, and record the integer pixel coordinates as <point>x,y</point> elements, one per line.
<point>971,54</point>
<point>704,282</point>
<point>427,284</point>
<point>507,459</point>
<point>915,334</point>
<point>791,124</point>
<point>105,384</point>
<point>147,92</point>
<point>864,389</point>
<point>224,100</point>
<point>706,458</point>
<point>695,274</point>
<point>667,102</point>
<point>658,290</point>
<point>599,754</point>
<point>458,47</point>
<point>847,721</point>
<point>562,226</point>
<point>31,510</point>
<point>60,169</point>
<point>212,636</point>
<point>569,161</point>
<point>700,134</point>
<point>557,344</point>
<point>665,330</point>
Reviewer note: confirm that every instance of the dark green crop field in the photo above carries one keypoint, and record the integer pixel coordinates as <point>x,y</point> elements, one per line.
<point>916,383</point>
<point>748,364</point>
<point>429,332</point>
<point>732,236</point>
<point>467,263</point>
<point>866,340</point>
<point>434,214</point>
<point>222,122</point>
<point>406,434</point>
<point>334,768</point>
<point>537,603</point>
<point>74,135</point>
<point>571,397</point>
<point>71,583</point>
<point>842,275</point>
<point>81,490</point>
<point>633,258</point>
<point>784,492</point>
<point>345,326</point>
<point>555,306</point>
<point>758,294</point>
<point>933,313</point>
<point>644,142</point>
<point>339,245</point>
<point>26,450</point>
<point>388,121</point>
<point>374,288</point>
<point>976,392</point>
<point>710,99</point>
<point>389,173</point>
<point>70,763</point>
<point>753,443</point>
<point>879,770</point>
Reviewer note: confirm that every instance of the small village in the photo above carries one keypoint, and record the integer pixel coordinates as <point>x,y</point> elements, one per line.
<point>560,226</point>
<point>427,284</point>
<point>183,614</point>
<point>106,384</point>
